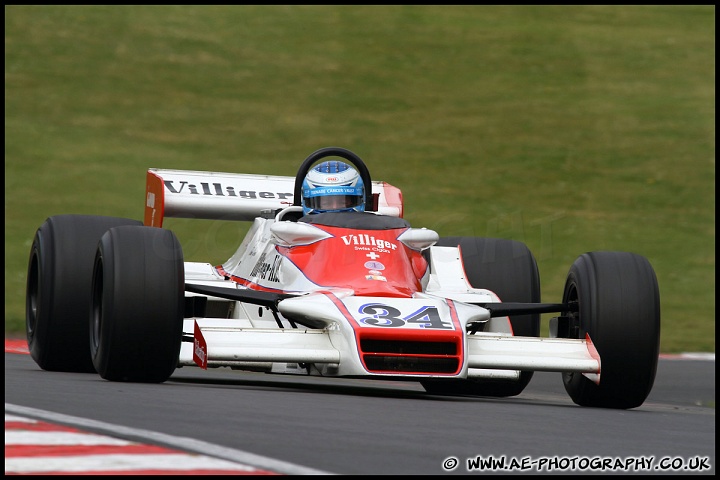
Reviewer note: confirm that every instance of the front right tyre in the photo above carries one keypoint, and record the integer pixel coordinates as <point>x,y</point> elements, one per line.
<point>137,304</point>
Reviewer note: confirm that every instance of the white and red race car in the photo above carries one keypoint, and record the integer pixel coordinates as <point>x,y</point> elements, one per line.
<point>335,294</point>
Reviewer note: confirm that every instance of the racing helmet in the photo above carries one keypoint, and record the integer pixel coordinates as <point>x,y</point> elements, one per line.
<point>333,186</point>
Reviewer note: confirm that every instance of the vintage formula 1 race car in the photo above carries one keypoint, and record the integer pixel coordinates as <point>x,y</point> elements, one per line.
<point>348,294</point>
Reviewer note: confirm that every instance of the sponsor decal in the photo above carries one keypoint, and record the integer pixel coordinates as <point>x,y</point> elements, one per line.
<point>364,239</point>
<point>341,190</point>
<point>374,265</point>
<point>376,277</point>
<point>199,348</point>
<point>266,270</point>
<point>220,190</point>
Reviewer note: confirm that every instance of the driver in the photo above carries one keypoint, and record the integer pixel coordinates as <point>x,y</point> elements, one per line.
<point>333,186</point>
<point>333,194</point>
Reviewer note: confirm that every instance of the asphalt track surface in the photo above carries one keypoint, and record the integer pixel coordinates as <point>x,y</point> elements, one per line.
<point>298,425</point>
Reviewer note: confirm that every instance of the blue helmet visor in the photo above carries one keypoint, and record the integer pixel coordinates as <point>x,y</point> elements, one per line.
<point>333,198</point>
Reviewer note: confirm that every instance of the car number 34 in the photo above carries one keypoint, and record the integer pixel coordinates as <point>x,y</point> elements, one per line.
<point>382,315</point>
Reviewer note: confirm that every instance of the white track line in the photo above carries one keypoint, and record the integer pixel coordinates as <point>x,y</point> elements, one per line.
<point>181,443</point>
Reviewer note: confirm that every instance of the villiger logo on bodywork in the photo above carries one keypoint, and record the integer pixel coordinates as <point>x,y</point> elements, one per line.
<point>367,240</point>
<point>217,189</point>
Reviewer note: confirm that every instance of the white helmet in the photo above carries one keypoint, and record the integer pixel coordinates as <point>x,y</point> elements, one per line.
<point>333,186</point>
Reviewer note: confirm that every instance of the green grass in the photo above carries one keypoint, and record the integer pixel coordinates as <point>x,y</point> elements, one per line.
<point>570,128</point>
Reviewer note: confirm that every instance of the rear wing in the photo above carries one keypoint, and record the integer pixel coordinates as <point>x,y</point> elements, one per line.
<point>234,196</point>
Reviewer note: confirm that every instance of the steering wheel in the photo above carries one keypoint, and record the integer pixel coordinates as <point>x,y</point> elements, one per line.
<point>334,152</point>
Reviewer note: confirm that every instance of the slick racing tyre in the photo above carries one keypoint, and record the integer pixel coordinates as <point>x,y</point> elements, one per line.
<point>619,309</point>
<point>136,306</point>
<point>58,288</point>
<point>508,268</point>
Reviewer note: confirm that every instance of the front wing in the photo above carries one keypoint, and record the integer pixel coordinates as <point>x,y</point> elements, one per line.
<point>415,338</point>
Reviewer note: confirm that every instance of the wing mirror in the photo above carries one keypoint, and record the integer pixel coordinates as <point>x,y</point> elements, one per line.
<point>419,238</point>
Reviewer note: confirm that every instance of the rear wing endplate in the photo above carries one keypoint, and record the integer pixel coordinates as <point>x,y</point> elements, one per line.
<point>233,196</point>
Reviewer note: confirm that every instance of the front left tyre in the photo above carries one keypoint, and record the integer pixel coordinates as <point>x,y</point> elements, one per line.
<point>59,276</point>
<point>137,304</point>
<point>619,311</point>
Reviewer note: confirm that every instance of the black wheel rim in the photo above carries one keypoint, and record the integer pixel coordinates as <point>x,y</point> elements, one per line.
<point>33,288</point>
<point>96,308</point>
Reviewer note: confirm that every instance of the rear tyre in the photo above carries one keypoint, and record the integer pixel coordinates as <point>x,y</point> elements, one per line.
<point>58,290</point>
<point>508,268</point>
<point>137,305</point>
<point>619,309</point>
